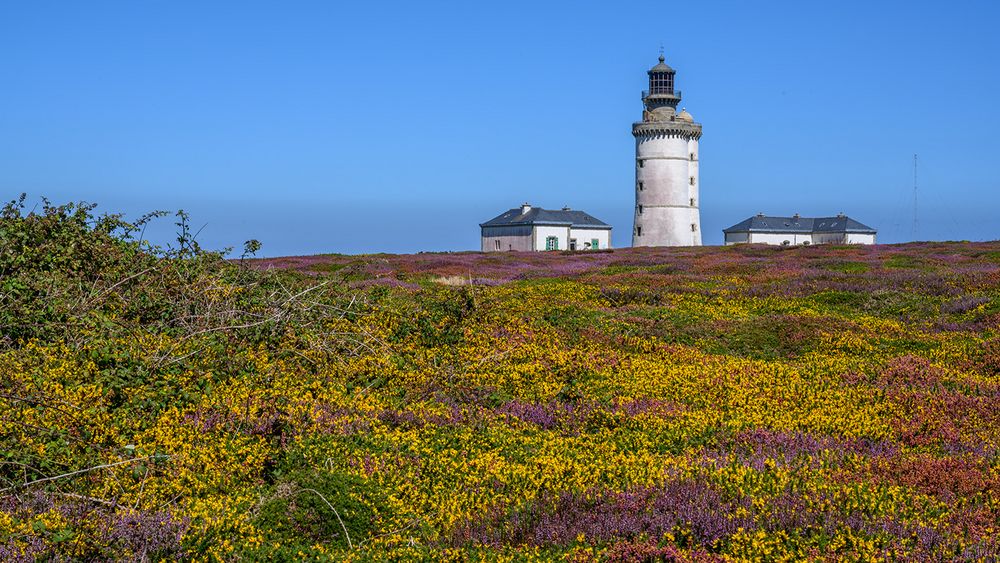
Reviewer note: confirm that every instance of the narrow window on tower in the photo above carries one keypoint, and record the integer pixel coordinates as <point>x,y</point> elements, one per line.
<point>640,210</point>
<point>691,180</point>
<point>692,202</point>
<point>694,227</point>
<point>692,156</point>
<point>638,231</point>
<point>640,186</point>
<point>641,163</point>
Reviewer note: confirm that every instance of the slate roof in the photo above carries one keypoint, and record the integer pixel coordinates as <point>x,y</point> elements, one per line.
<point>769,224</point>
<point>661,67</point>
<point>539,216</point>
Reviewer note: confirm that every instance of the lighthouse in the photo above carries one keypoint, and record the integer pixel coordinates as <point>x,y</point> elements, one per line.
<point>666,167</point>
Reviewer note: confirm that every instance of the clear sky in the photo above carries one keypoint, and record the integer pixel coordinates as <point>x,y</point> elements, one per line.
<point>400,126</point>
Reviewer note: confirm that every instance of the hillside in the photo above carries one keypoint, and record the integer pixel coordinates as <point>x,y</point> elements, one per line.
<point>701,404</point>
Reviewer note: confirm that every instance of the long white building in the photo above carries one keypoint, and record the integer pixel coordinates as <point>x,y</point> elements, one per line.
<point>796,230</point>
<point>666,167</point>
<point>528,228</point>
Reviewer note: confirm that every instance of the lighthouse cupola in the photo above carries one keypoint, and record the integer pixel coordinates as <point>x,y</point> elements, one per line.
<point>661,87</point>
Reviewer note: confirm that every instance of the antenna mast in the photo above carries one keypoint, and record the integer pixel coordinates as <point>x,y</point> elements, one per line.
<point>914,232</point>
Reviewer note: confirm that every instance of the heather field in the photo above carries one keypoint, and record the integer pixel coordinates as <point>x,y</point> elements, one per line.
<point>693,404</point>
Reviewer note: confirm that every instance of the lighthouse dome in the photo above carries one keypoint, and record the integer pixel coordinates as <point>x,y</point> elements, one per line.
<point>661,66</point>
<point>685,116</point>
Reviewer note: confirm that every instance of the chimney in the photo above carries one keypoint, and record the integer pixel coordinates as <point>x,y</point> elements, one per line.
<point>525,207</point>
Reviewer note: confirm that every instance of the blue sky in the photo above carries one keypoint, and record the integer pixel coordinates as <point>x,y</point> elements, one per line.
<point>398,127</point>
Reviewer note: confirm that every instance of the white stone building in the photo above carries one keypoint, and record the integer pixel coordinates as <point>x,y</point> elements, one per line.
<point>763,229</point>
<point>528,228</point>
<point>666,167</point>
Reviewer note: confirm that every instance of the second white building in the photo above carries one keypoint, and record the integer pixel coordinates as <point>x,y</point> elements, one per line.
<point>796,230</point>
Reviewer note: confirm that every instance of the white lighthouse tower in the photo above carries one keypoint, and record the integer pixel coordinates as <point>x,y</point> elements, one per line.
<point>666,167</point>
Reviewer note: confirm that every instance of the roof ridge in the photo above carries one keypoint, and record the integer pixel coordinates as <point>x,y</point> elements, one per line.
<point>542,216</point>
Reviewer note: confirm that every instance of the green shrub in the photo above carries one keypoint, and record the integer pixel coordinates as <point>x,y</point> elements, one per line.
<point>309,507</point>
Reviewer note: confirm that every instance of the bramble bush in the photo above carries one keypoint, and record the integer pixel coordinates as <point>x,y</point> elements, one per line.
<point>103,334</point>
<point>693,404</point>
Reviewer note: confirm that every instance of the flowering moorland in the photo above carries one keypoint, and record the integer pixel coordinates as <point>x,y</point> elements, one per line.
<point>692,404</point>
